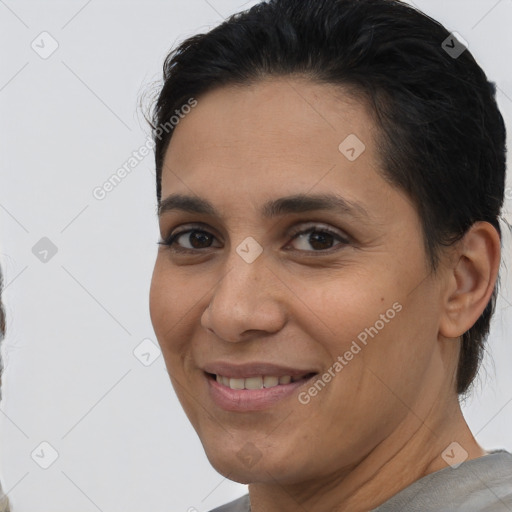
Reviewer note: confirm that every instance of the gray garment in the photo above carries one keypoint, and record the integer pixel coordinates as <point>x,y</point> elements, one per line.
<point>478,485</point>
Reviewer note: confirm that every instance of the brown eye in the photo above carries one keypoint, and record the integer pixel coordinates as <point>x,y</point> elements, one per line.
<point>320,239</point>
<point>197,239</point>
<point>191,240</point>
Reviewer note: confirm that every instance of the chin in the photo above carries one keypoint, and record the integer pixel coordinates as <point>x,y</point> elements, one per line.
<point>232,468</point>
<point>247,465</point>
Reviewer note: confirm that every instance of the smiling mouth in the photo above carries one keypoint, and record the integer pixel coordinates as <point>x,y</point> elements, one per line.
<point>258,382</point>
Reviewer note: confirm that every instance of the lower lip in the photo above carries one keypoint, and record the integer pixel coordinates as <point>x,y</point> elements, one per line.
<point>243,400</point>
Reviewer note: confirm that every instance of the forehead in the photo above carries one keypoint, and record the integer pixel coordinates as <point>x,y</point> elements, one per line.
<point>285,134</point>
<point>279,112</point>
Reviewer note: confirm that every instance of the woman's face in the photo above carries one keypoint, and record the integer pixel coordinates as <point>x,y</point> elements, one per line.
<point>242,293</point>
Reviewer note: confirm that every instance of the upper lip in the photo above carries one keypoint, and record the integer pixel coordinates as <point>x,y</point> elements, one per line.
<point>254,369</point>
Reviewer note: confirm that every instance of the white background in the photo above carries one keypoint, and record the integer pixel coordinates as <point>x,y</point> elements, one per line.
<point>67,124</point>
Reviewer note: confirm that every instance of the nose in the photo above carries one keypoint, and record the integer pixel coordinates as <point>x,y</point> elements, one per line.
<point>247,301</point>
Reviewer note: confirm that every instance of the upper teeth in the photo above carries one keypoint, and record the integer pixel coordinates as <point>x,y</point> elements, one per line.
<point>259,382</point>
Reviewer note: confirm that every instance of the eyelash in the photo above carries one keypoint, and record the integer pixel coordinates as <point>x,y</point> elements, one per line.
<point>170,241</point>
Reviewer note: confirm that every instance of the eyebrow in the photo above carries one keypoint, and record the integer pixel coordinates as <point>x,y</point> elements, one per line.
<point>276,207</point>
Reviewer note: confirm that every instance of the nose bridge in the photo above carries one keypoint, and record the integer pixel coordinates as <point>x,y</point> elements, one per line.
<point>246,267</point>
<point>240,288</point>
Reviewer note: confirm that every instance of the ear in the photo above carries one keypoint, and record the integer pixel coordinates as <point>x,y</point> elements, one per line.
<point>470,280</point>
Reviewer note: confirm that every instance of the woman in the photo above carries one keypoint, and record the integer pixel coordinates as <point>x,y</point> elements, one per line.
<point>329,201</point>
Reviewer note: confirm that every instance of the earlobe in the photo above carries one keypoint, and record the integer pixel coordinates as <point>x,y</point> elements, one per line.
<point>471,280</point>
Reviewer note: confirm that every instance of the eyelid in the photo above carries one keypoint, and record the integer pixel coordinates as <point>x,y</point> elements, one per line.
<point>319,226</point>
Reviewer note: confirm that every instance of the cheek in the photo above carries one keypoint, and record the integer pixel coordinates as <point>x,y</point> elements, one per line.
<point>344,307</point>
<point>158,299</point>
<point>378,329</point>
<point>174,304</point>
<point>389,353</point>
<point>165,306</point>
